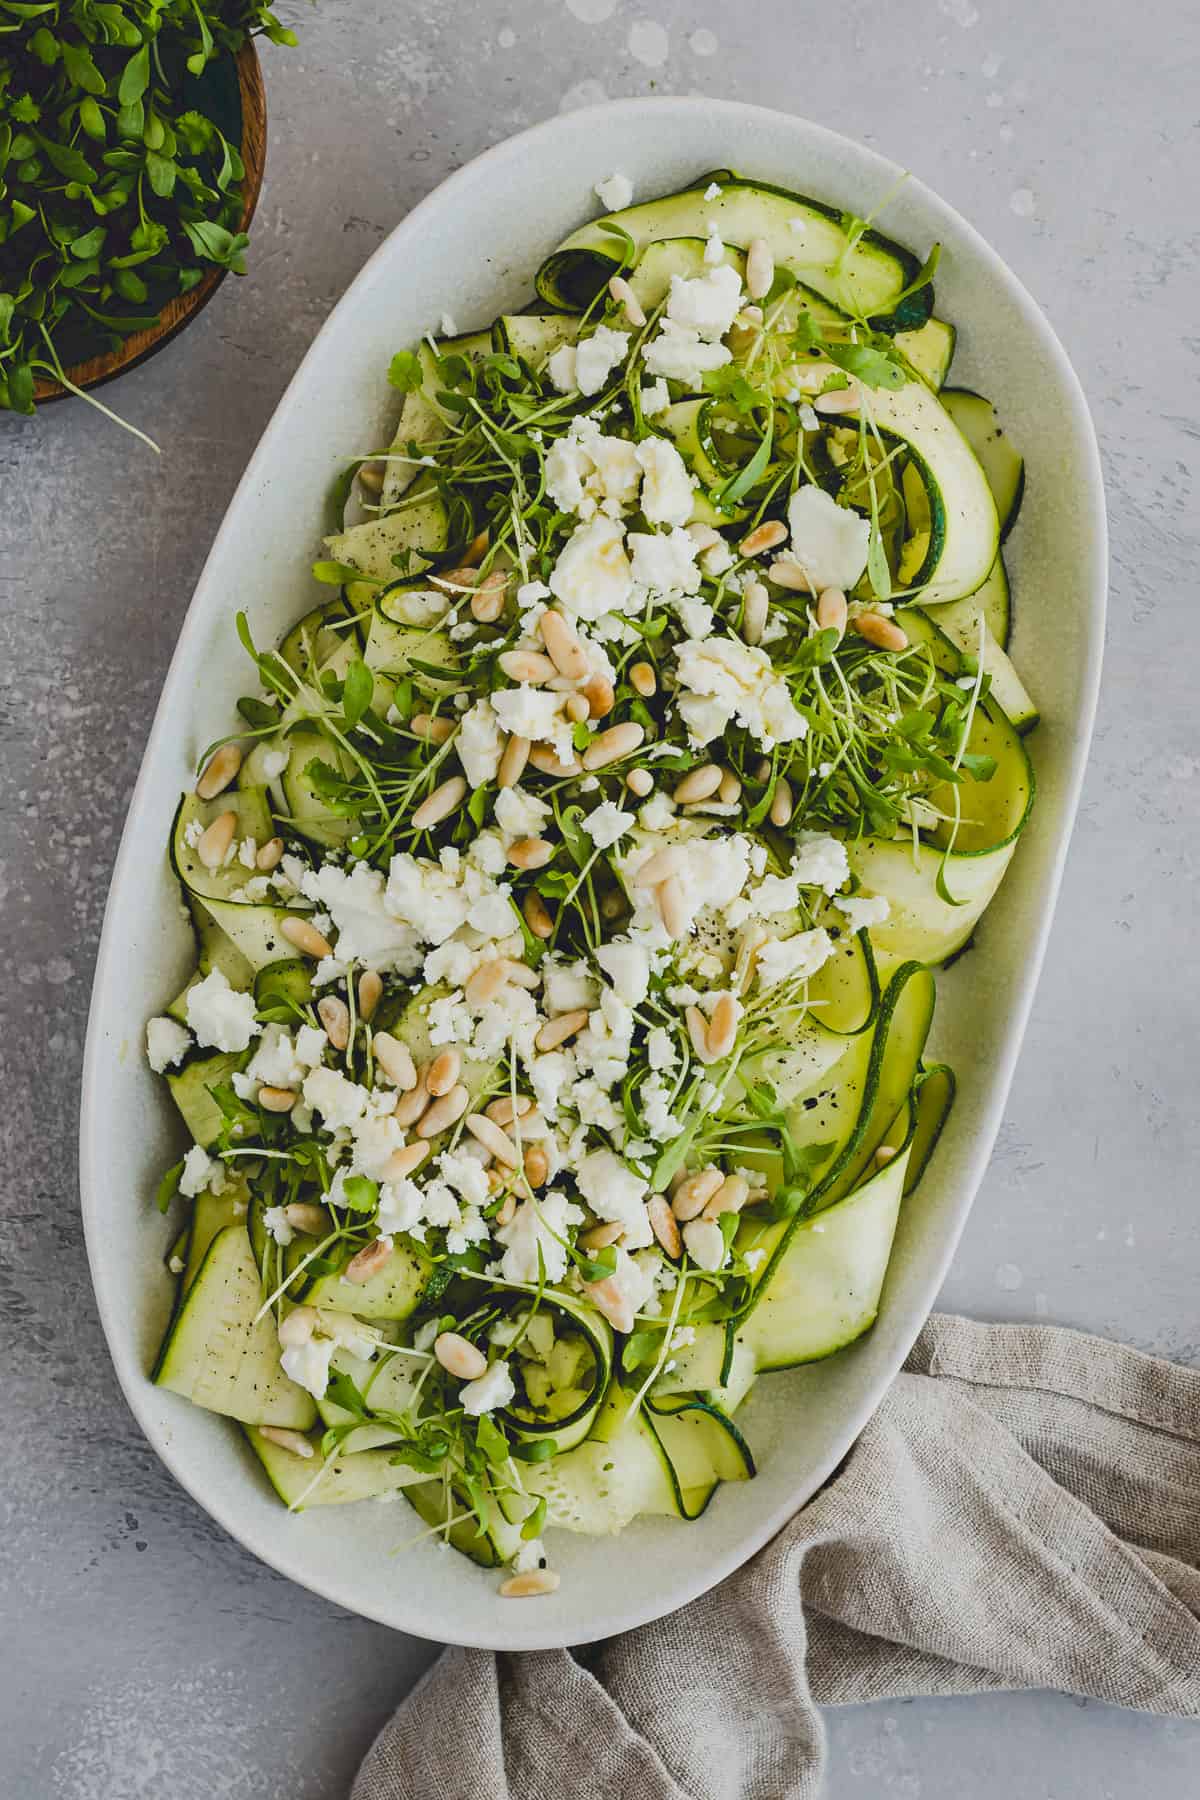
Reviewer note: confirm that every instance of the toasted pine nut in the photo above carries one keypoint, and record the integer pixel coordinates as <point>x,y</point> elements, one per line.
<point>536,1166</point>
<point>756,604</point>
<point>530,853</point>
<point>433,730</point>
<point>730,790</point>
<point>767,536</point>
<point>751,941</point>
<point>334,1015</point>
<point>508,1208</point>
<point>563,646</point>
<point>697,1026</point>
<point>615,1305</point>
<point>625,298</point>
<point>443,1072</point>
<point>672,906</point>
<point>577,708</point>
<point>700,783</point>
<point>486,981</point>
<point>370,478</point>
<point>611,745</point>
<point>296,1327</point>
<point>395,1059</point>
<point>277,1099</point>
<point>269,855</point>
<point>303,1216</point>
<point>295,1441</point>
<point>527,666</point>
<point>504,1109</point>
<point>831,611</point>
<point>512,763</point>
<point>760,268</point>
<point>459,1357</point>
<point>411,1105</point>
<point>556,1031</point>
<point>370,993</point>
<point>533,1582</point>
<point>218,772</point>
<point>213,845</point>
<point>881,632</point>
<point>487,602</point>
<point>658,868</point>
<point>440,1114</point>
<point>461,579</point>
<point>476,550</point>
<point>839,400</point>
<point>406,1160</point>
<point>599,1237</point>
<point>489,1134</point>
<point>786,572</point>
<point>694,1193</point>
<point>537,915</point>
<point>303,935</point>
<point>640,782</point>
<point>782,803</point>
<point>722,1027</point>
<point>731,1196</point>
<point>750,315</point>
<point>368,1262</point>
<point>705,537</point>
<point>601,697</point>
<point>884,1154</point>
<point>643,680</point>
<point>444,800</point>
<point>548,762</point>
<point>663,1225</point>
<point>762,771</point>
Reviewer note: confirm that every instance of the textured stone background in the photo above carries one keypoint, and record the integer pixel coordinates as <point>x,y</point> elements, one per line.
<point>148,1655</point>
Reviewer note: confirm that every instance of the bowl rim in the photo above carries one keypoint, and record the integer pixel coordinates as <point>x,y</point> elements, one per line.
<point>620,1614</point>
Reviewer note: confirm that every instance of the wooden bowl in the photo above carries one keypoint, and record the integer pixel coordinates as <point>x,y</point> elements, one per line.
<point>181,310</point>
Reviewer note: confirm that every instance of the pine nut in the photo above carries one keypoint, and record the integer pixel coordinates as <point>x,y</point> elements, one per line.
<point>751,941</point>
<point>487,602</point>
<point>731,1196</point>
<point>508,1208</point>
<point>658,868</point>
<point>503,1110</point>
<point>277,1099</point>
<point>839,400</point>
<point>526,666</point>
<point>756,605</point>
<point>512,763</point>
<point>440,1114</point>
<point>485,982</point>
<point>370,478</point>
<point>536,1166</point>
<point>219,771</point>
<point>722,1027</point>
<point>763,770</point>
<point>460,579</point>
<point>705,537</point>
<point>548,762</point>
<point>563,646</point>
<point>599,1237</point>
<point>370,993</point>
<point>697,1026</point>
<point>577,708</point>
<point>443,1072</point>
<point>750,315</point>
<point>694,1193</point>
<point>877,630</point>
<point>440,804</point>
<point>407,1160</point>
<point>672,907</point>
<point>395,1059</point>
<point>537,915</point>
<point>884,1154</point>
<point>296,1327</point>
<point>615,1306</point>
<point>760,268</point>
<point>782,803</point>
<point>411,1105</point>
<point>368,1262</point>
<point>786,572</point>
<point>556,1031</point>
<point>831,611</point>
<point>662,1224</point>
<point>213,845</point>
<point>611,745</point>
<point>530,853</point>
<point>489,1134</point>
<point>612,904</point>
<point>640,782</point>
<point>625,298</point>
<point>460,1358</point>
<point>303,935</point>
<point>433,730</point>
<point>534,1581</point>
<point>476,550</point>
<point>698,784</point>
<point>294,1441</point>
<point>269,855</point>
<point>766,536</point>
<point>334,1015</point>
<point>312,1220</point>
<point>601,697</point>
<point>643,680</point>
<point>730,790</point>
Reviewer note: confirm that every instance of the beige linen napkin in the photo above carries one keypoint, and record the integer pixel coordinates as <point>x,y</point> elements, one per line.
<point>1022,1511</point>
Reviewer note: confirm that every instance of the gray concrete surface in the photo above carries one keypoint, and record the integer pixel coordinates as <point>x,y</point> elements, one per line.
<point>145,1654</point>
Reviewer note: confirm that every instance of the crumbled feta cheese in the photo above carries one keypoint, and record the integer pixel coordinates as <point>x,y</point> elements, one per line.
<point>631,1281</point>
<point>494,1388</point>
<point>340,1101</point>
<point>586,366</point>
<point>308,1364</point>
<point>679,353</point>
<point>421,606</point>
<point>310,1046</point>
<point>696,617</point>
<point>666,484</point>
<point>567,987</point>
<point>714,249</point>
<point>606,824</point>
<point>377,1137</point>
<point>627,966</point>
<point>704,1243</point>
<point>614,1192</point>
<point>221,1018</point>
<point>654,1098</point>
<point>166,1044</point>
<point>193,831</point>
<point>560,366</point>
<point>275,1061</point>
<point>585,465</point>
<point>707,303</point>
<point>532,712</point>
<point>793,958</point>
<point>592,575</point>
<point>436,899</point>
<point>538,1225</point>
<point>369,930</point>
<point>655,399</point>
<point>730,680</point>
<point>275,1220</point>
<point>753,1258</point>
<point>247,851</point>
<point>529,1556</point>
<point>520,813</point>
<point>717,558</point>
<point>480,743</point>
<point>201,1172</point>
<point>273,763</point>
<point>864,910</point>
<point>660,1049</point>
<point>614,193</point>
<point>665,561</point>
<point>827,540</point>
<point>820,861</point>
<point>549,1074</point>
<point>712,191</point>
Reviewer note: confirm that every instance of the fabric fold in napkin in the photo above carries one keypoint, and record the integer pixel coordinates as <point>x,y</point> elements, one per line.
<point>1023,1511</point>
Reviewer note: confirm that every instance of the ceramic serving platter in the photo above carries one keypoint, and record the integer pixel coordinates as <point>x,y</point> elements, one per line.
<point>472,248</point>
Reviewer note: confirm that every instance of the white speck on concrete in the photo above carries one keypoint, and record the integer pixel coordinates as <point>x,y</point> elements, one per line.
<point>506,37</point>
<point>592,12</point>
<point>1021,202</point>
<point>704,43</point>
<point>989,68</point>
<point>961,11</point>
<point>995,100</point>
<point>589,92</point>
<point>1009,1277</point>
<point>649,43</point>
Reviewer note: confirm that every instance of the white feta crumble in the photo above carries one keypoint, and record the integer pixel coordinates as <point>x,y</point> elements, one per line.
<point>480,743</point>
<point>864,910</point>
<point>704,1243</point>
<point>827,540</point>
<point>753,1258</point>
<point>340,1101</point>
<point>538,1225</point>
<point>166,1043</point>
<point>493,1389</point>
<point>666,484</point>
<point>586,466</point>
<point>201,1172</point>
<point>520,813</point>
<point>275,1220</point>
<point>606,824</point>
<point>665,561</point>
<point>627,966</point>
<point>586,366</point>
<point>712,191</point>
<point>707,303</point>
<point>568,986</point>
<point>592,575</point>
<point>714,249</point>
<point>532,712</point>
<point>792,958</point>
<point>310,1046</point>
<point>656,397</point>
<point>193,831</point>
<point>247,851</point>
<point>660,1049</point>
<point>614,193</point>
<point>696,617</point>
<point>728,680</point>
<point>308,1364</point>
<point>368,928</point>
<point>275,1061</point>
<point>615,1192</point>
<point>273,763</point>
<point>679,353</point>
<point>437,899</point>
<point>220,1018</point>
<point>820,860</point>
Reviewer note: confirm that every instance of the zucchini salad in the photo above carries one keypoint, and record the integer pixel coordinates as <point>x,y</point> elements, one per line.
<point>567,895</point>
